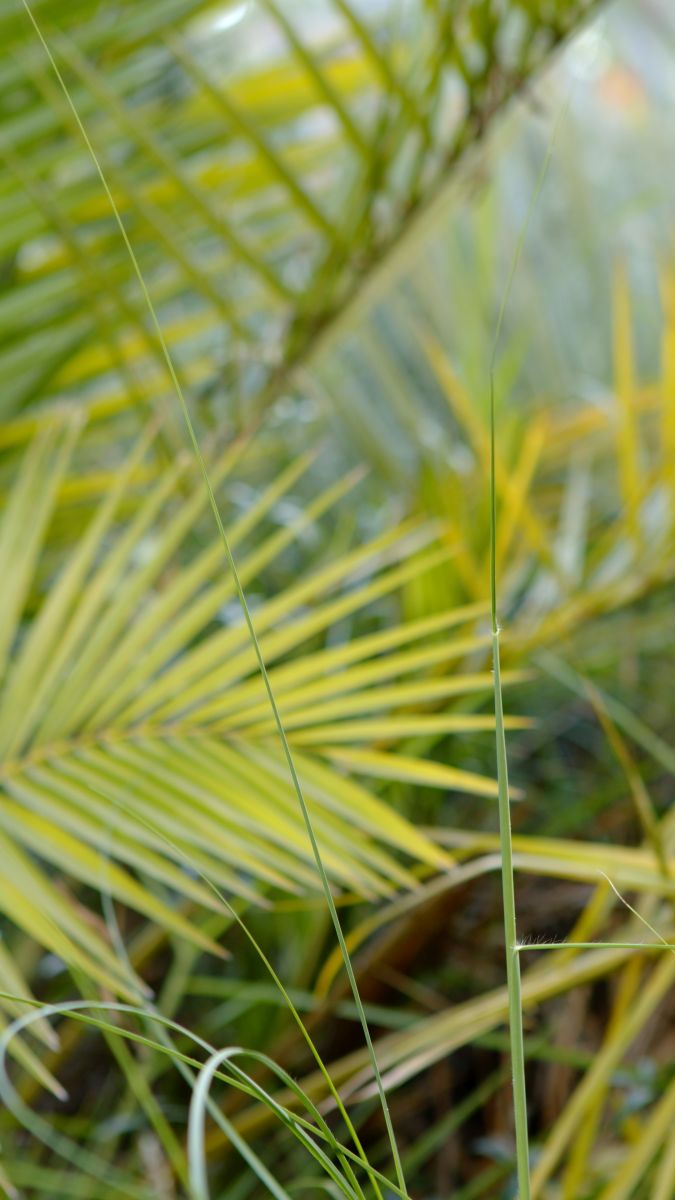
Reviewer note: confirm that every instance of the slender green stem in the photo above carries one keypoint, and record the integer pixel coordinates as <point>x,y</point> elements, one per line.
<point>516,1040</point>
<point>511,941</point>
<point>508,883</point>
<point>325,884</point>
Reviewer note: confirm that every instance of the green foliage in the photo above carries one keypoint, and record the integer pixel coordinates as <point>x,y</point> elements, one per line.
<point>275,178</point>
<point>265,172</point>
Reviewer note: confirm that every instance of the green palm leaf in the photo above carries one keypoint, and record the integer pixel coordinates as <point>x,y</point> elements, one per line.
<point>133,731</point>
<point>259,187</point>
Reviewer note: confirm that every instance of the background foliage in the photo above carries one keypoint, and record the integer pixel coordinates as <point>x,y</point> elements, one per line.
<point>324,205</point>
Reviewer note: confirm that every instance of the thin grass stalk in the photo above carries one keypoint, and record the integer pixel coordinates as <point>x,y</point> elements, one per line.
<point>236,917</point>
<point>516,1039</point>
<point>242,600</point>
<point>515,1008</point>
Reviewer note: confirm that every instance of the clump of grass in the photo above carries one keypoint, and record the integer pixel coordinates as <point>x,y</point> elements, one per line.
<point>313,1134</point>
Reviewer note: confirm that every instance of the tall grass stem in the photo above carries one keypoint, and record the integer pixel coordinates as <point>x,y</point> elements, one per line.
<point>516,1039</point>
<point>241,596</point>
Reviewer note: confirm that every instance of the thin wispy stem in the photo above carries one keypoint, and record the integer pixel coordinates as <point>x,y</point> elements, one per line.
<point>516,1039</point>
<point>325,884</point>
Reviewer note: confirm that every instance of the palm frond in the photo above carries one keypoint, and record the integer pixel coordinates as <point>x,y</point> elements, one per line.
<point>134,736</point>
<point>260,188</point>
<point>578,537</point>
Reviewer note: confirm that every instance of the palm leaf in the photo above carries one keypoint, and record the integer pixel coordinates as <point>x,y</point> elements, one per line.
<point>229,192</point>
<point>133,732</point>
<point>577,537</point>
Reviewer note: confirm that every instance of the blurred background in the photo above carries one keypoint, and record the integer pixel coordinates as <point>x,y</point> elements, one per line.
<point>327,201</point>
